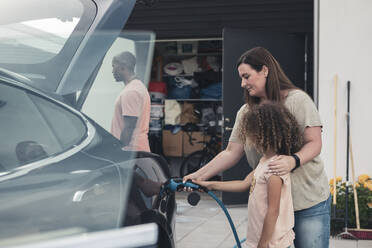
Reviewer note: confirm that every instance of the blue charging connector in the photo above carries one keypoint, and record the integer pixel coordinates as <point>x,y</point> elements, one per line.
<point>174,185</point>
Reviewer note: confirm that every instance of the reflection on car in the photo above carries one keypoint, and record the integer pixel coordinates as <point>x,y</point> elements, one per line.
<point>60,168</point>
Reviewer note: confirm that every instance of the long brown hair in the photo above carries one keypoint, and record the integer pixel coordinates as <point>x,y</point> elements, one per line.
<point>270,126</point>
<point>276,79</point>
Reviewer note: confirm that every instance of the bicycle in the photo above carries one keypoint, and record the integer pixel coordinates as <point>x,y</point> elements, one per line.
<point>198,159</point>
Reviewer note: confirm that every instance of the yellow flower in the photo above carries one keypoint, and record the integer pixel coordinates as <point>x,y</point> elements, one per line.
<point>338,179</point>
<point>369,186</point>
<point>332,191</point>
<point>363,178</point>
<point>331,181</point>
<point>357,185</point>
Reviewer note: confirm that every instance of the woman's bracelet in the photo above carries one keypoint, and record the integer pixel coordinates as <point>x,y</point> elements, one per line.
<point>298,162</point>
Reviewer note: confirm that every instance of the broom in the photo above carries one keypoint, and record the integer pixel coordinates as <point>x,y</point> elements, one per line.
<point>346,233</point>
<point>356,206</point>
<point>335,148</point>
<point>334,202</point>
<point>358,232</point>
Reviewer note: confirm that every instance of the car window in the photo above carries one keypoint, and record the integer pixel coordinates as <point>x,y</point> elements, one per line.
<point>30,39</point>
<point>105,87</point>
<point>38,38</point>
<point>34,128</point>
<point>99,103</point>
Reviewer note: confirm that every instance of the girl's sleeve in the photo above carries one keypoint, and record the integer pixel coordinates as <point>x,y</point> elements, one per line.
<point>284,178</point>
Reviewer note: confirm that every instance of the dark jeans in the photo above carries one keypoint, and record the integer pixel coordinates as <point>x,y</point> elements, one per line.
<point>312,226</point>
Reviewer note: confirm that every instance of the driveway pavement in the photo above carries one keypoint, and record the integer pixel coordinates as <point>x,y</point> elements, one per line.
<point>206,226</point>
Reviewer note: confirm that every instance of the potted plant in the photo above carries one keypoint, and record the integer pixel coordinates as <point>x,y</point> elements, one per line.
<point>364,192</point>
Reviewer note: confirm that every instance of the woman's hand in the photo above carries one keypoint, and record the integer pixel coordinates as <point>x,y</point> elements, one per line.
<point>281,165</point>
<point>192,176</point>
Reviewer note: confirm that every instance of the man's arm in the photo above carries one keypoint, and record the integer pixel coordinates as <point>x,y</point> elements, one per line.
<point>130,123</point>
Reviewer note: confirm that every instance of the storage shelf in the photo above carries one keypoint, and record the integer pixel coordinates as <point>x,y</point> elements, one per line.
<point>180,75</point>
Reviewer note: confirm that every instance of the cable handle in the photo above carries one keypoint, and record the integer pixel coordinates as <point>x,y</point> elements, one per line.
<point>176,184</point>
<point>195,186</point>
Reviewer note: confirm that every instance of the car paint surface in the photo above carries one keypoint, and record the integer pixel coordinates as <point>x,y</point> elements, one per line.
<point>97,187</point>
<point>93,185</point>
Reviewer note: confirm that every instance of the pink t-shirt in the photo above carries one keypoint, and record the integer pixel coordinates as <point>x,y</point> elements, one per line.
<point>134,100</point>
<point>283,235</point>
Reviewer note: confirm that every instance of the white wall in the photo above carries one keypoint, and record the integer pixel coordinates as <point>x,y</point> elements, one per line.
<point>345,49</point>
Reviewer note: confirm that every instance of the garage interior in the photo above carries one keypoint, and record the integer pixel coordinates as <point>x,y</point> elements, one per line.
<point>207,21</point>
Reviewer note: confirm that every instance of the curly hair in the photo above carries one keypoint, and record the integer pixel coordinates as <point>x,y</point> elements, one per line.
<point>270,126</point>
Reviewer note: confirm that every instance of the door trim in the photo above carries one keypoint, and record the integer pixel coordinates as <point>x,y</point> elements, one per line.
<point>316,54</point>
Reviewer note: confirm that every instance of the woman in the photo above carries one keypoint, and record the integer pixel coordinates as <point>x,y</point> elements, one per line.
<point>263,79</point>
<point>273,130</point>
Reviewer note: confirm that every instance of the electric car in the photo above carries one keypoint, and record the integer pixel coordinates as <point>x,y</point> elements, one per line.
<point>60,168</point>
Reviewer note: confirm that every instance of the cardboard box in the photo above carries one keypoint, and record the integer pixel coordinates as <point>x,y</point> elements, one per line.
<point>172,143</point>
<point>188,114</point>
<point>197,138</point>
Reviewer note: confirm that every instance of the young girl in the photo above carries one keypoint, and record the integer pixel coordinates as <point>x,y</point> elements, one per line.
<point>272,130</point>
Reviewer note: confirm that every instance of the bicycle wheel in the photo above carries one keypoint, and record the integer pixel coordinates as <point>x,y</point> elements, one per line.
<point>194,162</point>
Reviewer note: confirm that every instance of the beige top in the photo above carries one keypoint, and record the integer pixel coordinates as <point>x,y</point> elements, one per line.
<point>283,234</point>
<point>309,181</point>
<point>134,100</point>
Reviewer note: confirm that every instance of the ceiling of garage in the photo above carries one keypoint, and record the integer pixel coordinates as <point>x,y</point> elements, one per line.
<point>207,18</point>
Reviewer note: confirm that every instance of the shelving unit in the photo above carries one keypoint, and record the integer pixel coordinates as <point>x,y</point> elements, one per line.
<point>181,75</point>
<point>170,51</point>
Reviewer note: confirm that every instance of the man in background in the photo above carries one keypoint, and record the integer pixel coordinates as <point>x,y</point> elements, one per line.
<point>130,122</point>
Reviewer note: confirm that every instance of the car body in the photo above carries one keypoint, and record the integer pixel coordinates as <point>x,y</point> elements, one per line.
<point>60,168</point>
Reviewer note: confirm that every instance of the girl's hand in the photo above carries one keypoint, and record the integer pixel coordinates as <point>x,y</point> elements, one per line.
<point>281,165</point>
<point>206,184</point>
